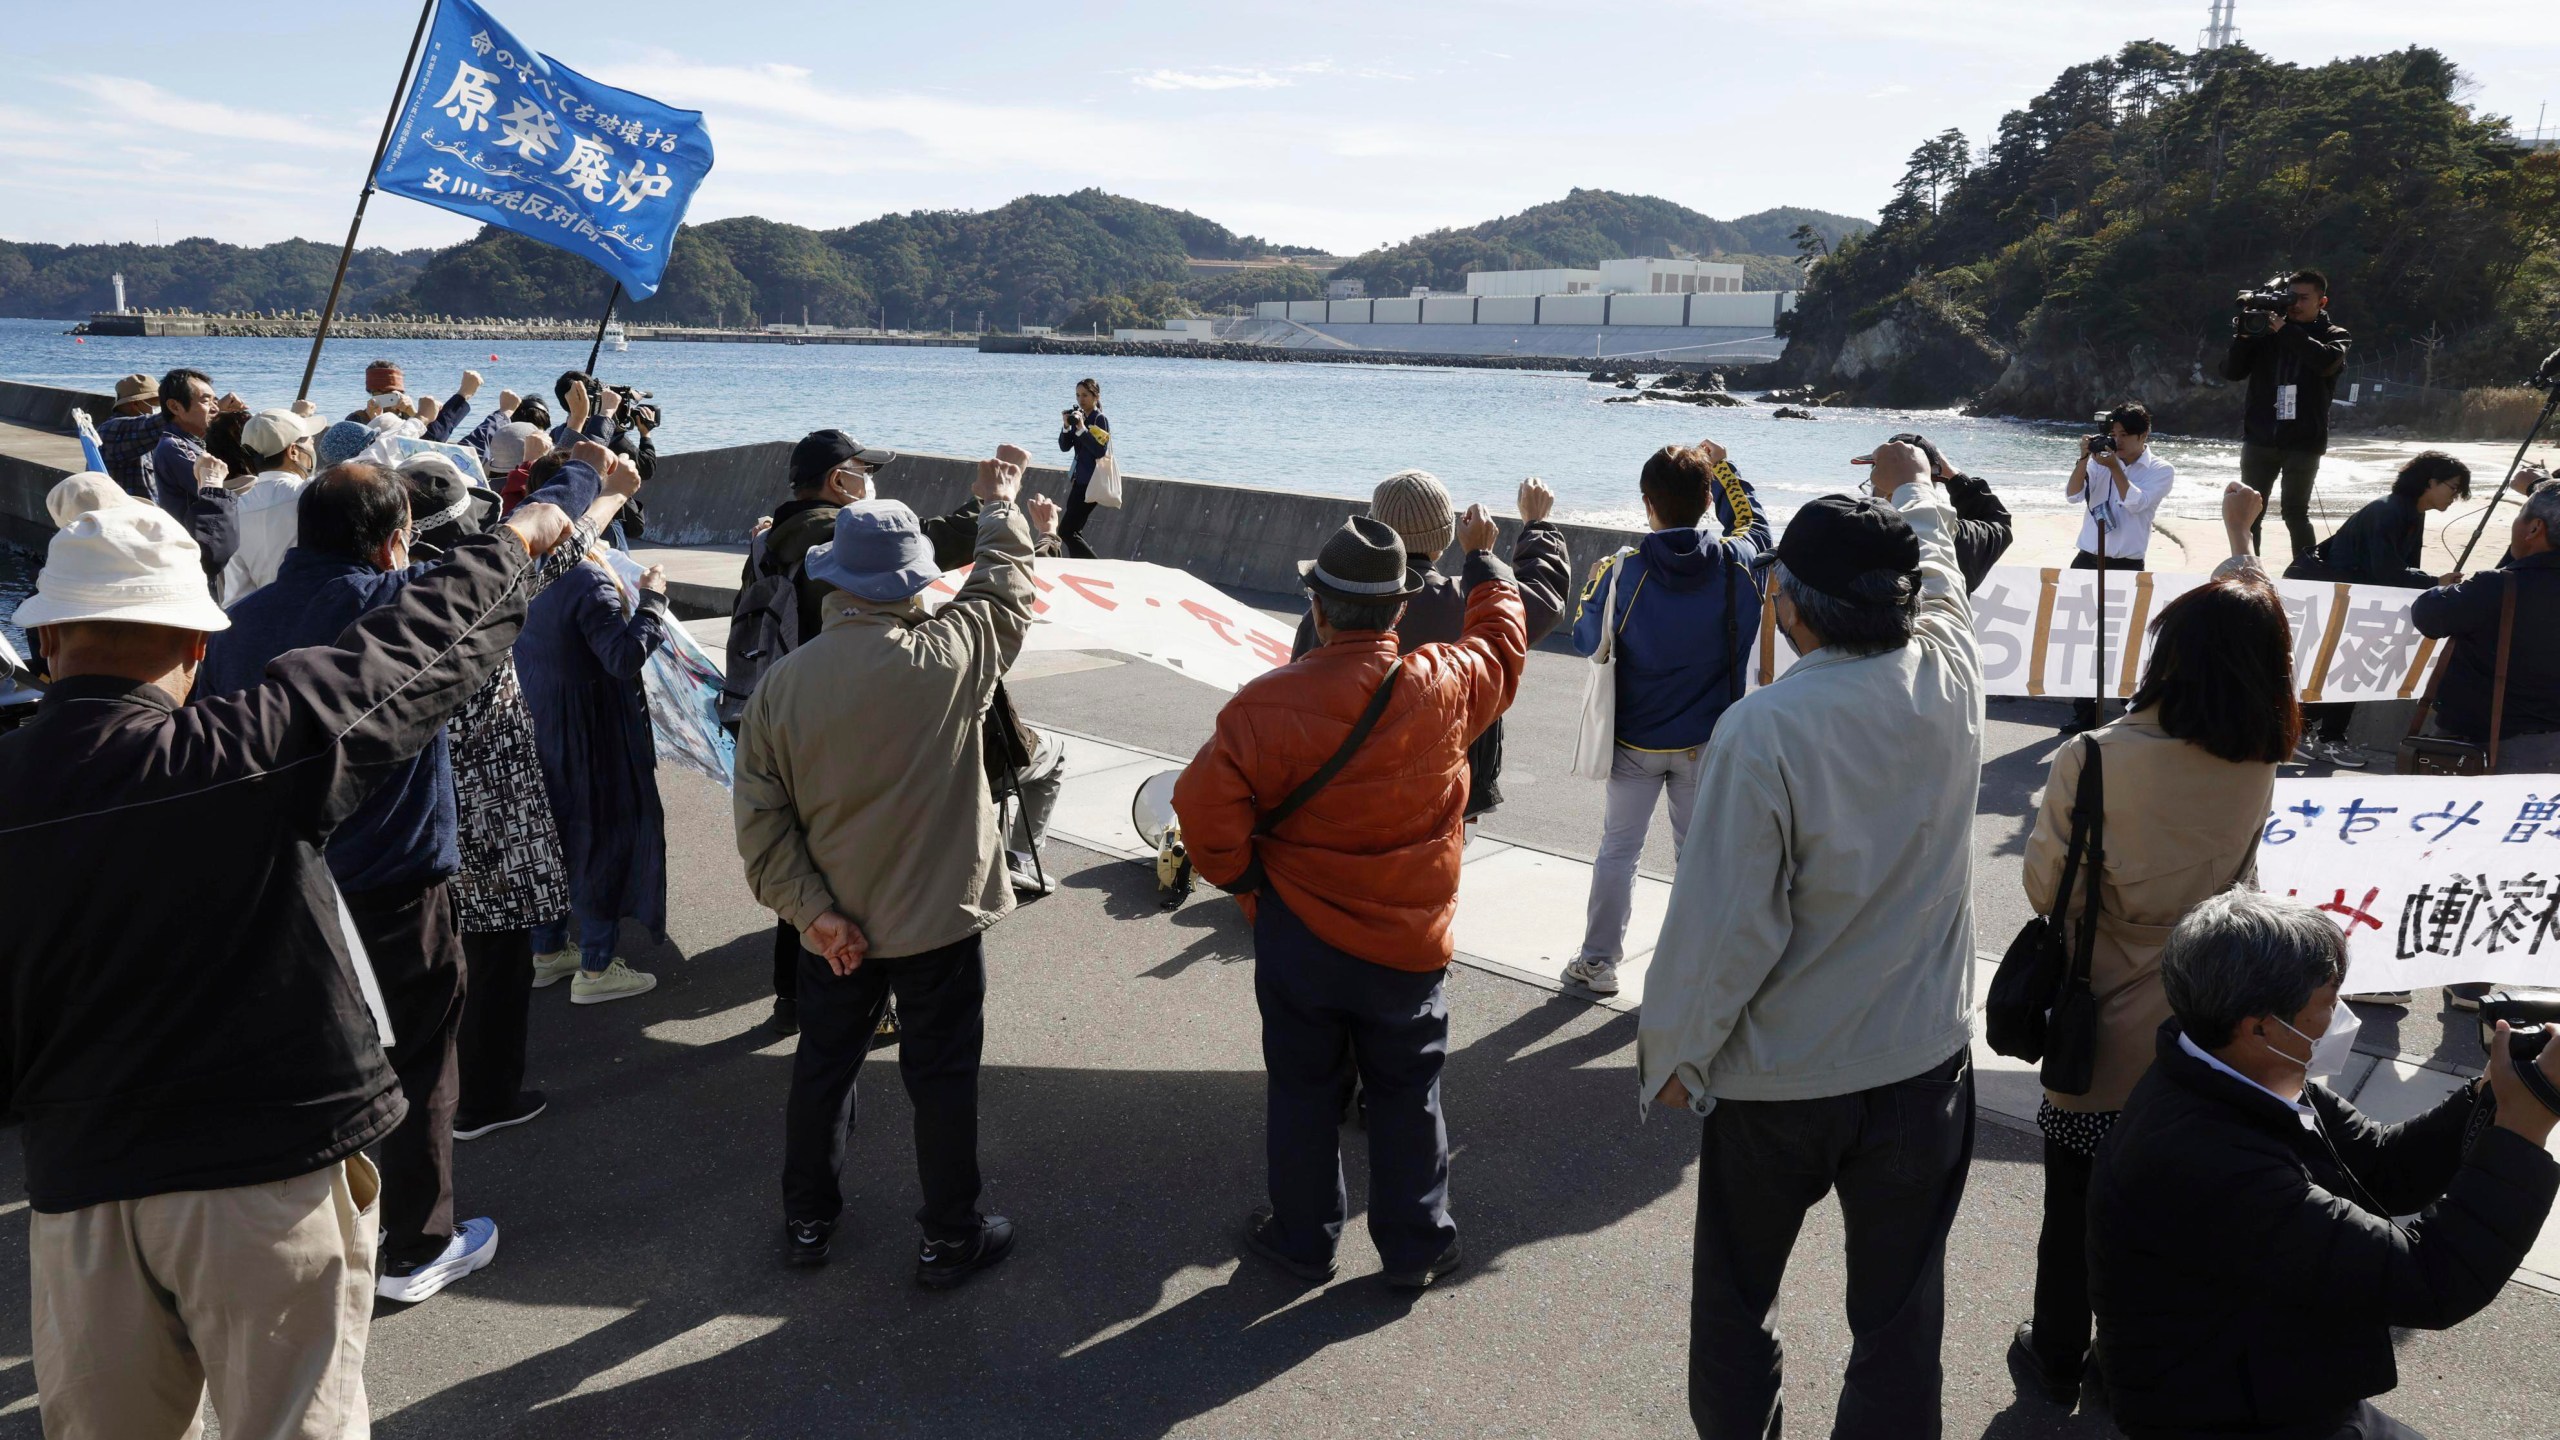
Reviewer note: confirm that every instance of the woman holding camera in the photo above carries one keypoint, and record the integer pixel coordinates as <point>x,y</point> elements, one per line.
<point>2380,544</point>
<point>2187,774</point>
<point>1085,432</point>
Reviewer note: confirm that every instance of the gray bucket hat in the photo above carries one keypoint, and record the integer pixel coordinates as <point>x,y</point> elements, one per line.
<point>879,553</point>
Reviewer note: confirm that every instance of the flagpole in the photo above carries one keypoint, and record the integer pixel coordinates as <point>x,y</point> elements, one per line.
<point>330,310</point>
<point>612,299</point>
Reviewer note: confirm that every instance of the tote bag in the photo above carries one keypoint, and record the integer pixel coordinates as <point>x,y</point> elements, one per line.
<point>1595,746</point>
<point>1103,488</point>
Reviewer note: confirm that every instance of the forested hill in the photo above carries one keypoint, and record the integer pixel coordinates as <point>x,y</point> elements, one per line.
<point>1090,258</point>
<point>1589,226</point>
<point>2091,255</point>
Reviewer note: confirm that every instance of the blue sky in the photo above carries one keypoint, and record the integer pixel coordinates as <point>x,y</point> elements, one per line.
<point>1312,122</point>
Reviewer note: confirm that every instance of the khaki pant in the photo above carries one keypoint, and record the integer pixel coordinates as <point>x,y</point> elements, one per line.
<point>263,1291</point>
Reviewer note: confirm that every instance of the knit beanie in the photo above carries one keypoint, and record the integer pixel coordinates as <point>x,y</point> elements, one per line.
<point>382,377</point>
<point>1415,505</point>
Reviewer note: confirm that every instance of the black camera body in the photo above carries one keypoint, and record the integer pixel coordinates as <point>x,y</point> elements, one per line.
<point>2254,308</point>
<point>2104,442</point>
<point>2530,1013</point>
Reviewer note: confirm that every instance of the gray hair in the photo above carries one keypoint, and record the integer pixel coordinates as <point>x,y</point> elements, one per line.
<point>2240,954</point>
<point>2544,505</point>
<point>1857,627</point>
<point>1344,613</point>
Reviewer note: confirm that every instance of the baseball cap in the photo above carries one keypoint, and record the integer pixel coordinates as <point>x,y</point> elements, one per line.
<point>821,451</point>
<point>1836,540</point>
<point>270,433</point>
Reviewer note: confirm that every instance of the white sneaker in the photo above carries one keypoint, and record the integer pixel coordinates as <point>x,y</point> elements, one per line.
<point>1028,878</point>
<point>2343,755</point>
<point>1596,975</point>
<point>2306,751</point>
<point>553,967</point>
<point>616,981</point>
<point>474,1245</point>
<point>2400,998</point>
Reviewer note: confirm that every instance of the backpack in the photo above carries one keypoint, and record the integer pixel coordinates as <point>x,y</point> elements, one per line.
<point>763,628</point>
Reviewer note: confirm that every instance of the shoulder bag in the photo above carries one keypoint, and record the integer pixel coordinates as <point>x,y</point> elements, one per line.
<point>1103,487</point>
<point>1595,745</point>
<point>2041,988</point>
<point>2422,754</point>
<point>1253,879</point>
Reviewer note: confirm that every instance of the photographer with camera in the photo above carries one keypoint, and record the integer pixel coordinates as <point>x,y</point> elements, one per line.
<point>620,418</point>
<point>1085,432</point>
<point>2244,1259</point>
<point>2123,495</point>
<point>2284,345</point>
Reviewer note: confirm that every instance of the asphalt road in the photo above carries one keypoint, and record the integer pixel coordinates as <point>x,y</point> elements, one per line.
<point>639,1291</point>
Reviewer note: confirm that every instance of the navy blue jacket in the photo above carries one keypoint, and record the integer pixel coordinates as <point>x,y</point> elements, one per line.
<point>405,833</point>
<point>1087,446</point>
<point>1680,651</point>
<point>2380,544</point>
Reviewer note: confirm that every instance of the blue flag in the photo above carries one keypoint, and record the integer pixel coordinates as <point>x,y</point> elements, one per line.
<point>494,130</point>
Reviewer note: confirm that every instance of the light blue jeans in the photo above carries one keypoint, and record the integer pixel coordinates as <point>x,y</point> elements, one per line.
<point>1636,779</point>
<point>596,940</point>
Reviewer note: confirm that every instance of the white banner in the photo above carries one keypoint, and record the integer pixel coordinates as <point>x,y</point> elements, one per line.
<point>2039,633</point>
<point>1154,612</point>
<point>2436,881</point>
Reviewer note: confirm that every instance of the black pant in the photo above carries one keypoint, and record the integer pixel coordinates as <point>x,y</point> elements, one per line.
<point>1898,1155</point>
<point>416,948</point>
<point>786,961</point>
<point>2062,1263</point>
<point>494,1006</point>
<point>1071,529</point>
<point>2331,718</point>
<point>941,998</point>
<point>1326,1014</point>
<point>2364,1422</point>
<point>2260,465</point>
<point>2084,711</point>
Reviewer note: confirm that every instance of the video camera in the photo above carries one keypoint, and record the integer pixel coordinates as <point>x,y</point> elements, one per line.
<point>2254,308</point>
<point>2548,376</point>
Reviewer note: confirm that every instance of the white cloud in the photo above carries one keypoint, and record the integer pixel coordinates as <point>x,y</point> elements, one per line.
<point>132,105</point>
<point>1221,78</point>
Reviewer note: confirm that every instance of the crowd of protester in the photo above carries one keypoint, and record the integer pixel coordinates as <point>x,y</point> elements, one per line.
<point>390,667</point>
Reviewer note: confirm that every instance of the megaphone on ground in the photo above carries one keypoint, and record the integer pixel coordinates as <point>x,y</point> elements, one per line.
<point>1151,814</point>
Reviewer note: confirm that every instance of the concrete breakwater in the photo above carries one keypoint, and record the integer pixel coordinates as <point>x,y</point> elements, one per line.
<point>1232,535</point>
<point>301,326</point>
<point>1744,376</point>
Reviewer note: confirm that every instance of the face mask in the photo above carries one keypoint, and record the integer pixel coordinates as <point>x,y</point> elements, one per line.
<point>2329,1051</point>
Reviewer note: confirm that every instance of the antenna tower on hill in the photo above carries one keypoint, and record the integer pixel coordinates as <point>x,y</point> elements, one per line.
<point>2218,30</point>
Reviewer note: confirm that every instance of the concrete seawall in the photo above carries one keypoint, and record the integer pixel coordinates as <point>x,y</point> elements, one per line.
<point>1225,534</point>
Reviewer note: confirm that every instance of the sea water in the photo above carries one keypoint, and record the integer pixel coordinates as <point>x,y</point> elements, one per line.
<point>1329,428</point>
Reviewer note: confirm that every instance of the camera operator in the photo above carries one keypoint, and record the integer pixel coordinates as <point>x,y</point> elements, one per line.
<point>1085,432</point>
<point>2292,361</point>
<point>2244,1260</point>
<point>2122,496</point>
<point>618,417</point>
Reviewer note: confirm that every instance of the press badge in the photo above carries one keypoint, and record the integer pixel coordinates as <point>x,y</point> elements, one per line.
<point>2285,401</point>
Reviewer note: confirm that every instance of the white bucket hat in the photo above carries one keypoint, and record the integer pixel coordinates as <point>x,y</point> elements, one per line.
<point>77,495</point>
<point>128,562</point>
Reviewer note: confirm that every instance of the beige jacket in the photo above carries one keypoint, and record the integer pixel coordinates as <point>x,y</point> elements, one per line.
<point>861,784</point>
<point>2181,826</point>
<point>1820,935</point>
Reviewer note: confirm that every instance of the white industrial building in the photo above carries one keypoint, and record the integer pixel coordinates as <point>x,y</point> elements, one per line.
<point>1642,275</point>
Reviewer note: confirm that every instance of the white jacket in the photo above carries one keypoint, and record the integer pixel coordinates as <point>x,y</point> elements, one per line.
<point>1820,935</point>
<point>268,528</point>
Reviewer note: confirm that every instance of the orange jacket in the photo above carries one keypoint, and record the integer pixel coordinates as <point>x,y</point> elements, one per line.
<point>1371,863</point>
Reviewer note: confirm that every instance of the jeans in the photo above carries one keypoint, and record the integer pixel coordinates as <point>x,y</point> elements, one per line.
<point>1898,1155</point>
<point>942,1027</point>
<point>1326,1014</point>
<point>494,1008</point>
<point>2084,711</point>
<point>2259,467</point>
<point>1636,777</point>
<point>415,945</point>
<point>2062,1263</point>
<point>596,941</point>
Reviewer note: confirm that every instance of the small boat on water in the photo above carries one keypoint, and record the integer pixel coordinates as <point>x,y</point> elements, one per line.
<point>614,339</point>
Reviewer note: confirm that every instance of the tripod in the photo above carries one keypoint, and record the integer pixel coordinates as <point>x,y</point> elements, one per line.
<point>2550,380</point>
